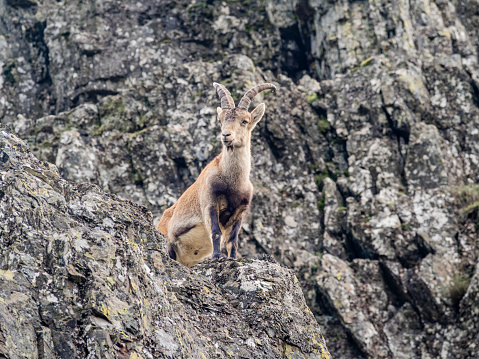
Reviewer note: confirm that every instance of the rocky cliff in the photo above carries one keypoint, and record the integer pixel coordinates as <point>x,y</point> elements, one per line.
<point>365,164</point>
<point>85,275</point>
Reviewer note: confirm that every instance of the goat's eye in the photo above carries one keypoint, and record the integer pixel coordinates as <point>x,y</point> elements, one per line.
<point>245,122</point>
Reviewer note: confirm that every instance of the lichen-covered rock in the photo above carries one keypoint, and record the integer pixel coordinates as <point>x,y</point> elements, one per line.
<point>85,275</point>
<point>360,155</point>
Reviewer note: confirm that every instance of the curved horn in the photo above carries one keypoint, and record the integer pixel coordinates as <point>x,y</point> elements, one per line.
<point>248,96</point>
<point>225,96</point>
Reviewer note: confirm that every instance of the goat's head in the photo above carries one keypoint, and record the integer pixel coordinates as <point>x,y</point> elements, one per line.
<point>236,122</point>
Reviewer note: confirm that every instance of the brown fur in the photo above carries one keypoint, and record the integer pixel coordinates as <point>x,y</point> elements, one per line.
<point>208,214</point>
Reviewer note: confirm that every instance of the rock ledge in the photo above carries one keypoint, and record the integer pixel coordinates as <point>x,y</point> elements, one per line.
<point>84,274</point>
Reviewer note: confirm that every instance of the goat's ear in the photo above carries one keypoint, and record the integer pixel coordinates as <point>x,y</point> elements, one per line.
<point>218,109</point>
<point>257,114</point>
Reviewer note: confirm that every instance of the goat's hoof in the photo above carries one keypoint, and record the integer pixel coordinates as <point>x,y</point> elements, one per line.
<point>217,256</point>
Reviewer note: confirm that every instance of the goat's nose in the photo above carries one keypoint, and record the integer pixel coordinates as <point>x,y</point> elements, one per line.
<point>225,135</point>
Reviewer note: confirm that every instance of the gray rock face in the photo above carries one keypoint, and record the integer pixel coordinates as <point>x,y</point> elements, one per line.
<point>356,165</point>
<point>85,275</point>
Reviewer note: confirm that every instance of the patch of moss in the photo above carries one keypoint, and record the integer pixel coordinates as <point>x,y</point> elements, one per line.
<point>318,178</point>
<point>114,104</point>
<point>321,204</point>
<point>45,145</point>
<point>134,134</point>
<point>468,200</point>
<point>114,115</point>
<point>313,166</point>
<point>143,120</point>
<point>312,98</point>
<point>226,82</point>
<point>99,129</point>
<point>458,287</point>
<point>199,4</point>
<point>366,62</point>
<point>267,93</point>
<point>471,208</point>
<point>333,170</point>
<point>323,125</point>
<point>208,15</point>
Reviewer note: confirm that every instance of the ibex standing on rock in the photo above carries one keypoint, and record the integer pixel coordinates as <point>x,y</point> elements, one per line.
<point>208,215</point>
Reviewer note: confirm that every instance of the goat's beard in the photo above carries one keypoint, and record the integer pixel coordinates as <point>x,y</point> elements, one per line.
<point>230,148</point>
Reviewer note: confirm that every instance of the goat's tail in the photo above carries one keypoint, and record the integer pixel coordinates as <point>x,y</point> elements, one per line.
<point>165,220</point>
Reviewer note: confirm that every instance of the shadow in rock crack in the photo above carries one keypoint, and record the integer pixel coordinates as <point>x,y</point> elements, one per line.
<point>327,309</point>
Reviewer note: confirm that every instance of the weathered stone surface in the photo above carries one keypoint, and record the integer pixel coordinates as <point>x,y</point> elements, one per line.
<point>360,154</point>
<point>85,275</point>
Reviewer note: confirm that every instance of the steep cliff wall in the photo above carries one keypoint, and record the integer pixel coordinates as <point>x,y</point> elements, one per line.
<point>357,164</point>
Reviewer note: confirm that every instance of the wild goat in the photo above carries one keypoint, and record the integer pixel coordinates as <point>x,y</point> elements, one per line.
<point>209,213</point>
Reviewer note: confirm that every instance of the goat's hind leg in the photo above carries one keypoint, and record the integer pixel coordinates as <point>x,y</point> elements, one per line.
<point>171,252</point>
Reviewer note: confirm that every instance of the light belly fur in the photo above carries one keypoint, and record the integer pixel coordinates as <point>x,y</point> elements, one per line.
<point>194,245</point>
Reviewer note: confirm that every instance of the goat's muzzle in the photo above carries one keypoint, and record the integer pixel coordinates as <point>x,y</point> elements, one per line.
<point>227,139</point>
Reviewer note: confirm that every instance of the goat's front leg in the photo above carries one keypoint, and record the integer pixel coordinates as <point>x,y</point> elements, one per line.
<point>232,245</point>
<point>215,232</point>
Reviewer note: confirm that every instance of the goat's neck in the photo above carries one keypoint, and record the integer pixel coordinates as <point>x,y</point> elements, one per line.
<point>236,164</point>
